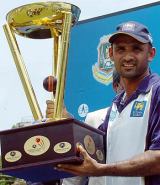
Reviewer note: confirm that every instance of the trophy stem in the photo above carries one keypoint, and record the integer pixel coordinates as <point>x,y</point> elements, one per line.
<point>36,112</point>
<point>55,34</point>
<point>62,64</point>
<point>56,39</point>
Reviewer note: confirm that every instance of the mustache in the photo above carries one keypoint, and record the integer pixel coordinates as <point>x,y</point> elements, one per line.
<point>128,62</point>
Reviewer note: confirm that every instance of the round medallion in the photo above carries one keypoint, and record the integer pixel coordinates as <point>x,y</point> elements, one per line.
<point>99,155</point>
<point>62,147</point>
<point>36,145</point>
<point>13,156</point>
<point>89,144</point>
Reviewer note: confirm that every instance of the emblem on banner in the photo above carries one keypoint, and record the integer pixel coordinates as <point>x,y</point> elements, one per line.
<point>102,70</point>
<point>83,110</point>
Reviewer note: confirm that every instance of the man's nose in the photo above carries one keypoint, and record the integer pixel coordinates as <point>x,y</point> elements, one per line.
<point>128,57</point>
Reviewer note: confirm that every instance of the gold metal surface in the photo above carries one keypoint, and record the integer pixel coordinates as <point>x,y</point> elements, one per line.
<point>23,73</point>
<point>61,71</point>
<point>41,21</point>
<point>34,20</point>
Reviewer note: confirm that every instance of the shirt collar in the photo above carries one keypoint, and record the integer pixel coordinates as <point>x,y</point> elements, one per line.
<point>143,88</point>
<point>147,83</point>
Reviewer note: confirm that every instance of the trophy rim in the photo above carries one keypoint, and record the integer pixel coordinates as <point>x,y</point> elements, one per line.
<point>20,20</point>
<point>43,2</point>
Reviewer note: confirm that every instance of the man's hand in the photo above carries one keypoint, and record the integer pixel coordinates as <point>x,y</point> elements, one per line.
<point>145,164</point>
<point>50,110</point>
<point>89,167</point>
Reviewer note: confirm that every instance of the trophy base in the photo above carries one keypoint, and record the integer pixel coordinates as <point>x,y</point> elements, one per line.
<point>31,152</point>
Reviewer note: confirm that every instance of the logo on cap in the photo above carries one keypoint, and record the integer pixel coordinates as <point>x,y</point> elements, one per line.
<point>136,30</point>
<point>128,27</point>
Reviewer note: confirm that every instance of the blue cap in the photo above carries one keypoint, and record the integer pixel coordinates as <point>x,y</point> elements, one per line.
<point>134,29</point>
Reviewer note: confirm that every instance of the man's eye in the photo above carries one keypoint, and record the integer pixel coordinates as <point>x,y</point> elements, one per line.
<point>120,49</point>
<point>137,49</point>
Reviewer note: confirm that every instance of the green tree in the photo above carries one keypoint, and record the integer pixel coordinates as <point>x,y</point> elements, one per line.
<point>8,180</point>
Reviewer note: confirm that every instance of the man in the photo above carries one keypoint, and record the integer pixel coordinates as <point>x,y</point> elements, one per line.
<point>133,124</point>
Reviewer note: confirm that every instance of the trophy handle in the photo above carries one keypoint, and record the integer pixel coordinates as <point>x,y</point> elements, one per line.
<point>61,65</point>
<point>23,73</point>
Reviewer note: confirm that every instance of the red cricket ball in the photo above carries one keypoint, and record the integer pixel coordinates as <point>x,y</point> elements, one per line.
<point>49,83</point>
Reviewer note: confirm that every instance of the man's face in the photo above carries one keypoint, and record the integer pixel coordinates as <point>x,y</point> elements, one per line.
<point>130,56</point>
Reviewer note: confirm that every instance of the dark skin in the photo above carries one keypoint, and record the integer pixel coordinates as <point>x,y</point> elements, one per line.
<point>131,61</point>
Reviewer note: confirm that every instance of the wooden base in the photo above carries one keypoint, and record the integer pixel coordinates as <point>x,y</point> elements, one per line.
<point>32,152</point>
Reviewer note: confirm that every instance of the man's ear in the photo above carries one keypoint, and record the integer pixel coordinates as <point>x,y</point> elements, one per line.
<point>151,54</point>
<point>111,53</point>
<point>115,87</point>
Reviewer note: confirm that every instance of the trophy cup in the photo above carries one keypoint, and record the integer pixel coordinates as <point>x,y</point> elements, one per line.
<point>38,148</point>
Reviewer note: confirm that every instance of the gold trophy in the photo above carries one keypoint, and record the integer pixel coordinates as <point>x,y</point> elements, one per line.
<point>39,147</point>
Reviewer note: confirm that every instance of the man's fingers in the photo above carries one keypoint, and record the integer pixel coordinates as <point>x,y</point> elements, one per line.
<point>82,151</point>
<point>50,104</point>
<point>68,168</point>
<point>49,115</point>
<point>49,101</point>
<point>49,111</point>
